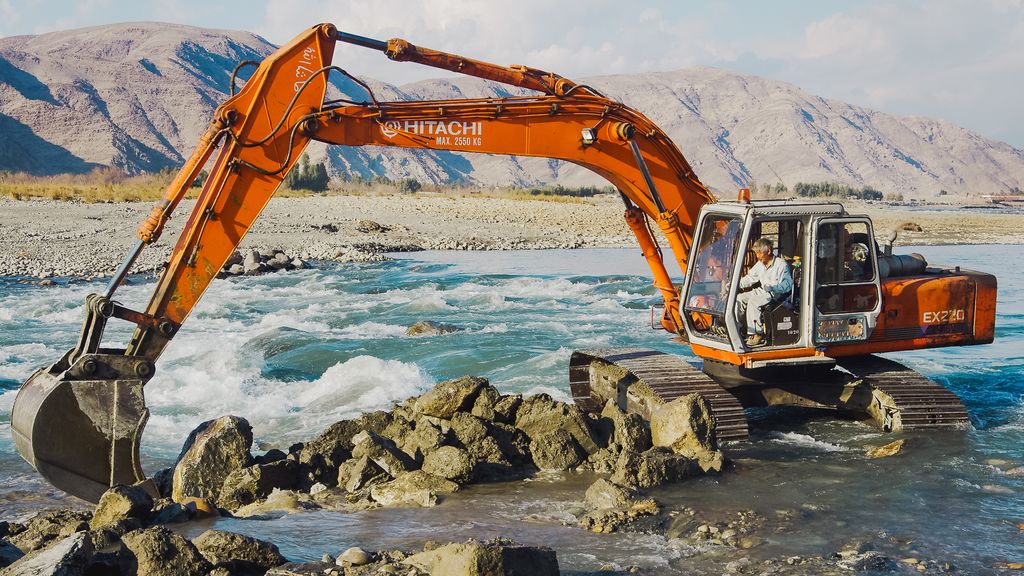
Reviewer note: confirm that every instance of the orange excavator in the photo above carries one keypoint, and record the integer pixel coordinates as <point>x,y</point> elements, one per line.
<point>79,421</point>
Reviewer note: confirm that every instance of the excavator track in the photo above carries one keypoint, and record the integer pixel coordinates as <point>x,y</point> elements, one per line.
<point>666,375</point>
<point>905,399</point>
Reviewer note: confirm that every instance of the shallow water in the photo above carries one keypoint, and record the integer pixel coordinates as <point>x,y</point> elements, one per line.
<point>296,352</point>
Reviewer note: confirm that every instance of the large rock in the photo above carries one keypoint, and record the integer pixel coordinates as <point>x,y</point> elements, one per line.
<point>430,328</point>
<point>46,527</point>
<point>450,396</point>
<point>424,438</point>
<point>68,557</point>
<point>610,505</point>
<point>159,552</point>
<point>486,401</point>
<point>604,495</point>
<point>486,559</point>
<point>450,462</point>
<point>240,554</point>
<point>120,503</point>
<point>468,429</point>
<point>358,473</point>
<point>653,467</point>
<point>417,487</point>
<point>254,483</point>
<point>686,425</point>
<point>212,452</point>
<point>556,450</point>
<point>629,431</point>
<point>540,414</point>
<point>383,452</point>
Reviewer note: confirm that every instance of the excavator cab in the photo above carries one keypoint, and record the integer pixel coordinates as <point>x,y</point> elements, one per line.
<point>831,256</point>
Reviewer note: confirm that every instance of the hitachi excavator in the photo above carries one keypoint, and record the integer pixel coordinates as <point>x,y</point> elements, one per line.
<point>79,421</point>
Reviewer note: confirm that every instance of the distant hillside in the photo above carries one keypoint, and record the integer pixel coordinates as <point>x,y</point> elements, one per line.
<point>136,96</point>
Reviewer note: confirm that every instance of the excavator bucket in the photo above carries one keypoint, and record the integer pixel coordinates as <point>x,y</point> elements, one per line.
<point>81,434</point>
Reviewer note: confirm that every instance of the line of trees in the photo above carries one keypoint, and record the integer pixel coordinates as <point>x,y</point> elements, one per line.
<point>305,175</point>
<point>819,190</point>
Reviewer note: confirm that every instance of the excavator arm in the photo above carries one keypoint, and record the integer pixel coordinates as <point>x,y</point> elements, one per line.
<point>79,421</point>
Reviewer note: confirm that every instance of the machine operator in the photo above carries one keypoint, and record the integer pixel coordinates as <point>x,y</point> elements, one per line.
<point>775,281</point>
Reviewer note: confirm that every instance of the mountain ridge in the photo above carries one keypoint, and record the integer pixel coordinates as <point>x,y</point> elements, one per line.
<point>137,95</point>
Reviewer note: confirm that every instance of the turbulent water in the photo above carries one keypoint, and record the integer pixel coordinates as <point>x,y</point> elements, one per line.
<point>295,352</point>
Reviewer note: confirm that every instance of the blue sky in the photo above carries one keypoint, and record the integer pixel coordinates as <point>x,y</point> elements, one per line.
<point>958,60</point>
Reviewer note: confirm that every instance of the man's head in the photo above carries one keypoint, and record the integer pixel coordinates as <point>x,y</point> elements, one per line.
<point>763,250</point>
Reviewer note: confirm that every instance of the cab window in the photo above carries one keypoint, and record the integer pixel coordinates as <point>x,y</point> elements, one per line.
<point>712,274</point>
<point>845,268</point>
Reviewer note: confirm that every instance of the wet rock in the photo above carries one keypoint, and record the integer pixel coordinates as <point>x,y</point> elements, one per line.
<point>872,561</point>
<point>486,400</point>
<point>159,552</point>
<point>890,449</point>
<point>46,527</point>
<point>354,556</point>
<point>199,507</point>
<point>424,438</point>
<point>279,501</point>
<point>430,328</point>
<point>167,511</point>
<point>382,452</point>
<point>629,431</point>
<point>505,408</point>
<point>120,503</point>
<point>236,258</point>
<point>468,429</point>
<point>240,554</point>
<point>612,506</point>
<point>213,451</point>
<point>686,425</point>
<point>164,481</point>
<point>359,473</point>
<point>450,396</point>
<point>109,535</point>
<point>304,569</point>
<point>652,468</point>
<point>556,450</point>
<point>248,485</point>
<point>419,487</point>
<point>451,463</point>
<point>539,415</point>
<point>486,559</point>
<point>68,557</point>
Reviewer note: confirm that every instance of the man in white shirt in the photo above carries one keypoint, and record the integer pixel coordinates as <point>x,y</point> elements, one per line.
<point>775,281</point>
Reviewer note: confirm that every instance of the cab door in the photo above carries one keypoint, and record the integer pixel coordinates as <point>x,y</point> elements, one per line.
<point>846,296</point>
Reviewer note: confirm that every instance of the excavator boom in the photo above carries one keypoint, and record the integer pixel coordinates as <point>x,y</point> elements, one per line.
<point>80,420</point>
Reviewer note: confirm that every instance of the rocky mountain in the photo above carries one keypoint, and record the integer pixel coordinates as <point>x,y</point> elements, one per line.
<point>136,96</point>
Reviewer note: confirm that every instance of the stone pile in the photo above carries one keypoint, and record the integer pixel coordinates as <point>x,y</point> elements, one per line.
<point>253,262</point>
<point>463,431</point>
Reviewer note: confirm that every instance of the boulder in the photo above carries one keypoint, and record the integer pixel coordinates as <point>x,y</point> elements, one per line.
<point>686,425</point>
<point>652,468</point>
<point>486,400</point>
<point>430,328</point>
<point>424,438</point>
<point>354,556</point>
<point>46,527</point>
<point>468,429</point>
<point>304,569</point>
<point>627,430</point>
<point>68,557</point>
<point>256,482</point>
<point>450,396</point>
<point>240,554</point>
<point>359,473</point>
<point>120,503</point>
<point>495,558</point>
<point>382,452</point>
<point>159,552</point>
<point>556,450</point>
<point>451,463</point>
<point>540,414</point>
<point>505,408</point>
<point>167,511</point>
<point>109,536</point>
<point>212,452</point>
<point>604,495</point>
<point>417,487</point>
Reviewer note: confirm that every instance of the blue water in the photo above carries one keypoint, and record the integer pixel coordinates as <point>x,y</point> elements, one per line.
<point>295,352</point>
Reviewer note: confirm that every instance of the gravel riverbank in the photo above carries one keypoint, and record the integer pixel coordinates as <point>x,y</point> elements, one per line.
<point>59,238</point>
